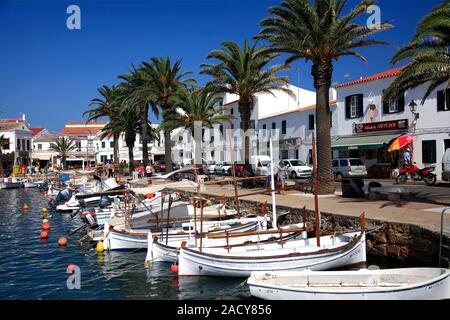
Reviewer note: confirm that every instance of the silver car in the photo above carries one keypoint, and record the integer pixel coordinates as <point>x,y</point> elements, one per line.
<point>348,168</point>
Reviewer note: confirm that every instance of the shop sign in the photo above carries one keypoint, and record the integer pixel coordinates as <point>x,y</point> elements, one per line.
<point>393,125</point>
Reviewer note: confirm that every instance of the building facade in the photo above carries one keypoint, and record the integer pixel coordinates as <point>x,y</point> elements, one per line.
<point>17,143</point>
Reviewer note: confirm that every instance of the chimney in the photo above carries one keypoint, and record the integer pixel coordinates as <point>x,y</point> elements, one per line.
<point>23,116</point>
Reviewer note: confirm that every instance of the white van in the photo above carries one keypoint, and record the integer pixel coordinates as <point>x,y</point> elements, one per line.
<point>260,165</point>
<point>446,165</point>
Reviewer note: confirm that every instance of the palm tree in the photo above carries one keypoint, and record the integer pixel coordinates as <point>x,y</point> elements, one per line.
<point>136,91</point>
<point>106,107</point>
<point>63,146</point>
<point>193,105</point>
<point>240,71</point>
<point>164,80</point>
<point>127,120</point>
<point>318,32</point>
<point>428,54</point>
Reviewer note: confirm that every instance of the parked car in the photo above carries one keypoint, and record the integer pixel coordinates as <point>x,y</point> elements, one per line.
<point>238,169</point>
<point>297,168</point>
<point>211,165</point>
<point>260,164</point>
<point>348,168</point>
<point>446,165</point>
<point>222,167</point>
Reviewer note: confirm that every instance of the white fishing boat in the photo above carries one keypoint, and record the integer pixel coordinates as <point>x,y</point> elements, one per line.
<point>11,183</point>
<point>27,183</point>
<point>119,237</point>
<point>161,250</point>
<point>387,284</point>
<point>216,211</point>
<point>348,249</point>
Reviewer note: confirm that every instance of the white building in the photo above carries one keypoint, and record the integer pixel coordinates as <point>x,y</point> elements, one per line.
<point>17,147</point>
<point>366,126</point>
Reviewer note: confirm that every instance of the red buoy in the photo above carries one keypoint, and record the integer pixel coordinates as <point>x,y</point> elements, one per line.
<point>174,268</point>
<point>25,206</point>
<point>44,234</point>
<point>62,241</point>
<point>46,226</point>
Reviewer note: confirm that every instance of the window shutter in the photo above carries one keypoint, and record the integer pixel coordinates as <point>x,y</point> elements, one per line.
<point>347,107</point>
<point>360,105</point>
<point>447,99</point>
<point>401,103</point>
<point>440,100</point>
<point>385,106</point>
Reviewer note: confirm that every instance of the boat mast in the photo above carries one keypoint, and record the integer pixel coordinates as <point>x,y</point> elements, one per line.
<point>316,200</point>
<point>272,185</point>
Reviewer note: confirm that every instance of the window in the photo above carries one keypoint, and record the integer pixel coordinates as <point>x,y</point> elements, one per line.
<point>311,122</point>
<point>18,144</point>
<point>39,146</point>
<point>232,126</point>
<point>221,129</point>
<point>264,126</point>
<point>446,144</point>
<point>354,106</point>
<point>5,144</point>
<point>212,154</point>
<point>78,145</point>
<point>443,100</point>
<point>284,154</point>
<point>283,127</point>
<point>111,156</point>
<point>429,151</point>
<point>111,144</point>
<point>28,145</point>
<point>274,125</point>
<point>232,111</point>
<point>220,103</point>
<point>395,105</point>
<point>343,163</point>
<point>212,139</point>
<point>331,119</point>
<point>103,144</point>
<point>335,163</point>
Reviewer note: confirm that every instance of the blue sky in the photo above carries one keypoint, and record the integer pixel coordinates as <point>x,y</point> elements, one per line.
<point>50,73</point>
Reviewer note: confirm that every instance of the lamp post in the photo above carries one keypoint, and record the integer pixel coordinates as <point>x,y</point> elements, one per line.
<point>413,108</point>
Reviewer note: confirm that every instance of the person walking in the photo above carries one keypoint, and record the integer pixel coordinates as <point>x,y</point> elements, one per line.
<point>110,168</point>
<point>282,176</point>
<point>407,157</point>
<point>141,170</point>
<point>149,170</point>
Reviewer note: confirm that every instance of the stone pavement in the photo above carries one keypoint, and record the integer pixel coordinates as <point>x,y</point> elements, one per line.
<point>426,215</point>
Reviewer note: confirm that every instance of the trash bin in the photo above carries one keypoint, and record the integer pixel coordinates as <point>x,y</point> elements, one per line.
<point>352,187</point>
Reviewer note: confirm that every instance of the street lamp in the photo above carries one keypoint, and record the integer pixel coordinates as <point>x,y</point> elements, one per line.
<point>413,107</point>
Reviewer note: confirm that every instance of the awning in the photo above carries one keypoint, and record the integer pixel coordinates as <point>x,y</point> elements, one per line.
<point>362,142</point>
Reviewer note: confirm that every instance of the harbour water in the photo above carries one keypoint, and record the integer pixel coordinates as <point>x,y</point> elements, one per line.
<point>32,268</point>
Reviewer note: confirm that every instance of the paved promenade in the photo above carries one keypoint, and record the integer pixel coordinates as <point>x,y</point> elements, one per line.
<point>426,215</point>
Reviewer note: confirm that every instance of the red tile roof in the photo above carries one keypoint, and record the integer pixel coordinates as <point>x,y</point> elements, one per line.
<point>385,74</point>
<point>81,130</point>
<point>35,131</point>
<point>11,121</point>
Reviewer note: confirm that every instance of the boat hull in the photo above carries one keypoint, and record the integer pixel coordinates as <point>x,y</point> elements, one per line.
<point>435,288</point>
<point>195,263</point>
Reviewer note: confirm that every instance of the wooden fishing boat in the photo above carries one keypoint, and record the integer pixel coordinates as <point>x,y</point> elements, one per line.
<point>387,284</point>
<point>161,250</point>
<point>119,237</point>
<point>348,249</point>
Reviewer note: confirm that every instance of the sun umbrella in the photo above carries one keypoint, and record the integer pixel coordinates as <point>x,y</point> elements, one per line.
<point>401,142</point>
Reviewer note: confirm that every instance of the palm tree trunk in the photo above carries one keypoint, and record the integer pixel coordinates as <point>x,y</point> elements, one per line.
<point>168,151</point>
<point>130,157</point>
<point>63,161</point>
<point>322,82</point>
<point>144,131</point>
<point>116,148</point>
<point>245,108</point>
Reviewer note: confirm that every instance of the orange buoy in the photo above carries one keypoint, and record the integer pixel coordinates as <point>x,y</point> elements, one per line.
<point>44,234</point>
<point>25,206</point>
<point>62,241</point>
<point>174,268</point>
<point>44,210</point>
<point>46,226</point>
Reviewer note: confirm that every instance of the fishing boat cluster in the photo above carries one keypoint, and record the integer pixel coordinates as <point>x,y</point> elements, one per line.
<point>201,238</point>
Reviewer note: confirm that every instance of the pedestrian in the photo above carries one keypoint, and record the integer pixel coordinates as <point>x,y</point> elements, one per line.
<point>149,170</point>
<point>282,175</point>
<point>141,170</point>
<point>407,157</point>
<point>110,167</point>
